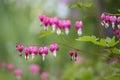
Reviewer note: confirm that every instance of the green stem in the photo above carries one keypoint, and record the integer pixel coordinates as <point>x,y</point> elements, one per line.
<point>78,50</point>
<point>112,14</point>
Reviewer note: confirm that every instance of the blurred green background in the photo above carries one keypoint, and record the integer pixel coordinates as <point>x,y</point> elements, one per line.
<point>19,23</point>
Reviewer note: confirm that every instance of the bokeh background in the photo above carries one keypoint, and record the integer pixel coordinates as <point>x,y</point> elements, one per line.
<point>19,23</point>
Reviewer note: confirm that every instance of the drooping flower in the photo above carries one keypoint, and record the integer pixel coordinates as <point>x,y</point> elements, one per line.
<point>10,67</point>
<point>54,48</point>
<point>3,65</point>
<point>116,60</point>
<point>117,32</point>
<point>118,22</point>
<point>55,21</point>
<point>107,21</point>
<point>44,76</point>
<point>52,24</point>
<point>59,27</point>
<point>26,52</point>
<point>78,26</point>
<point>79,60</point>
<point>73,55</point>
<point>33,50</point>
<point>18,73</point>
<point>46,23</point>
<point>43,51</point>
<point>20,48</point>
<point>41,18</point>
<point>67,26</point>
<point>113,20</point>
<point>34,68</point>
<point>103,18</point>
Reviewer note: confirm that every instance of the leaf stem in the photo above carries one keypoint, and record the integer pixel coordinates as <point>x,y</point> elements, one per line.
<point>112,14</point>
<point>78,50</point>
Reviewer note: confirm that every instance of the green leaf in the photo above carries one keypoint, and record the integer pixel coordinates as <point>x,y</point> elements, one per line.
<point>88,38</point>
<point>119,10</point>
<point>108,42</point>
<point>102,42</point>
<point>73,6</point>
<point>80,5</point>
<point>88,4</point>
<point>115,65</point>
<point>44,34</point>
<point>115,50</point>
<point>108,39</point>
<point>77,5</point>
<point>111,42</point>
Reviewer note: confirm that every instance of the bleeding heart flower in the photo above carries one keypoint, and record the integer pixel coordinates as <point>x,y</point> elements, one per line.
<point>54,48</point>
<point>43,51</point>
<point>67,26</point>
<point>33,50</point>
<point>34,68</point>
<point>73,55</point>
<point>79,60</point>
<point>118,22</point>
<point>20,48</point>
<point>26,52</point>
<point>18,73</point>
<point>44,76</point>
<point>113,20</point>
<point>10,67</point>
<point>78,26</point>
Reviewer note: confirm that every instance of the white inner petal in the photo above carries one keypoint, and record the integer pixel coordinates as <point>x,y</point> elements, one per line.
<point>58,31</point>
<point>113,25</point>
<point>20,53</point>
<point>26,57</point>
<point>54,53</point>
<point>33,55</point>
<point>43,57</point>
<point>79,32</point>
<point>45,28</point>
<point>18,77</point>
<point>66,31</point>
<point>41,23</point>
<point>53,28</point>
<point>106,25</point>
<point>72,57</point>
<point>118,26</point>
<point>102,23</point>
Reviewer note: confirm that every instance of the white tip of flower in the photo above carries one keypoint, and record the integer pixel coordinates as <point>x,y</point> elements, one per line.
<point>33,56</point>
<point>18,77</point>
<point>102,23</point>
<point>72,57</point>
<point>41,23</point>
<point>66,31</point>
<point>43,57</point>
<point>58,31</point>
<point>53,28</point>
<point>20,54</point>
<point>45,28</point>
<point>118,26</point>
<point>79,32</point>
<point>106,25</point>
<point>54,53</point>
<point>113,25</point>
<point>26,57</point>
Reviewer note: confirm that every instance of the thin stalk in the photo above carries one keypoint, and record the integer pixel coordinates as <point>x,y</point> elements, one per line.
<point>112,14</point>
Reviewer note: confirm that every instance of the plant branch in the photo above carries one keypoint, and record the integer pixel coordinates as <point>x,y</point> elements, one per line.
<point>78,50</point>
<point>112,14</point>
